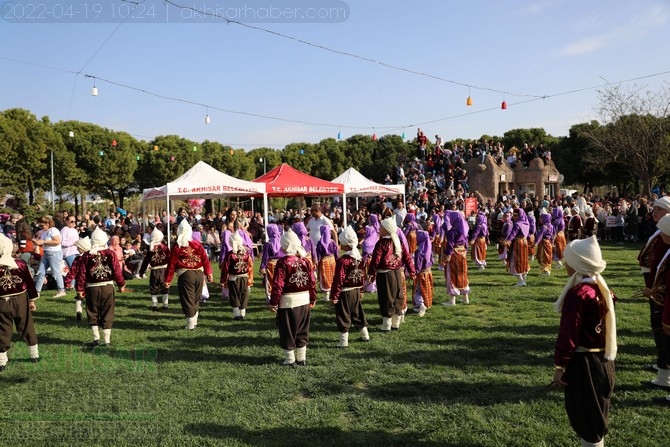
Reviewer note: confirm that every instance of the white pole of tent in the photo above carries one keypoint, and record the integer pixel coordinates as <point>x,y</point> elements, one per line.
<point>344,210</point>
<point>265,215</point>
<point>169,214</point>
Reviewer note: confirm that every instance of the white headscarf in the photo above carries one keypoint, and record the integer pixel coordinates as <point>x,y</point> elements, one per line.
<point>99,241</point>
<point>584,256</point>
<point>237,243</point>
<point>663,202</point>
<point>83,244</point>
<point>290,244</point>
<point>6,249</point>
<point>348,237</point>
<point>391,227</point>
<point>664,224</point>
<point>184,233</point>
<point>156,238</point>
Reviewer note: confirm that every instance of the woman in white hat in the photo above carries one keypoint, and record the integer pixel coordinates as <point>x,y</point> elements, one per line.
<point>17,301</point>
<point>586,345</point>
<point>189,261</point>
<point>293,296</point>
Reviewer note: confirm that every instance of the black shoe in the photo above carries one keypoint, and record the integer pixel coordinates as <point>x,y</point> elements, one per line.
<point>165,308</point>
<point>301,363</point>
<point>36,360</point>
<point>2,368</point>
<point>661,401</point>
<point>238,318</point>
<point>93,344</point>
<point>395,328</point>
<point>78,316</point>
<point>290,365</point>
<point>154,308</point>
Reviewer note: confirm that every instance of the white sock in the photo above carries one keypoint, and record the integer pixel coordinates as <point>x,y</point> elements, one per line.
<point>3,358</point>
<point>289,357</point>
<point>243,312</point>
<point>107,334</point>
<point>77,306</point>
<point>154,300</point>
<point>34,352</point>
<point>364,334</point>
<point>236,312</point>
<point>166,297</point>
<point>301,354</point>
<point>195,319</point>
<point>96,332</point>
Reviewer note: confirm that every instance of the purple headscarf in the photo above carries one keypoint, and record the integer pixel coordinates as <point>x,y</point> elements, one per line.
<point>457,220</point>
<point>546,230</point>
<point>274,236</point>
<point>300,230</point>
<point>520,227</point>
<point>411,224</point>
<point>481,228</point>
<point>326,244</point>
<point>557,219</point>
<point>374,221</point>
<point>371,238</point>
<point>423,256</point>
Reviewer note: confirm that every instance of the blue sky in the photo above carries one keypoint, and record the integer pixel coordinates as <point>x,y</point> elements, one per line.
<point>536,48</point>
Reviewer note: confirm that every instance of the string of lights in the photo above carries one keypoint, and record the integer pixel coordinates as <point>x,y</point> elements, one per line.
<point>388,129</point>
<point>374,127</point>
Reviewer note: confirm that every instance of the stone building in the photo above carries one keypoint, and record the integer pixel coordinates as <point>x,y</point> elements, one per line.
<point>491,179</point>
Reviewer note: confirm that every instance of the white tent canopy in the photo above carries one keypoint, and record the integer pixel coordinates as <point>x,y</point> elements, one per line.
<point>357,185</point>
<point>204,182</point>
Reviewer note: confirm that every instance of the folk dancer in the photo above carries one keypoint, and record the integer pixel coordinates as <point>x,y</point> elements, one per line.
<point>532,228</point>
<point>411,227</point>
<point>455,258</point>
<point>95,282</point>
<point>586,345</point>
<point>346,290</point>
<point>650,258</point>
<point>544,240</point>
<point>387,265</point>
<point>83,245</point>
<point>517,242</point>
<point>367,246</point>
<point>271,253</point>
<point>422,291</point>
<point>234,276</point>
<point>575,225</point>
<point>326,256</point>
<point>504,232</point>
<point>558,222</point>
<point>293,296</point>
<point>156,258</point>
<point>17,302</point>
<point>189,261</point>
<point>479,241</point>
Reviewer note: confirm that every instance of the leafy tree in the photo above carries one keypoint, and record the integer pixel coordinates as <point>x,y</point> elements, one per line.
<point>27,144</point>
<point>635,134</point>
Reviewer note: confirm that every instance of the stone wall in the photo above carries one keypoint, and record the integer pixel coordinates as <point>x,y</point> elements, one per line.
<point>489,179</point>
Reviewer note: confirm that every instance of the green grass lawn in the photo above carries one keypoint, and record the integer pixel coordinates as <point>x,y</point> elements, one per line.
<point>472,375</point>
